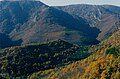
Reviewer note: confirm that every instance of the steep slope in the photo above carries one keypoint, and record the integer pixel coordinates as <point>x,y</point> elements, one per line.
<point>113,40</point>
<point>33,22</point>
<point>103,17</point>
<point>104,64</point>
<point>55,24</point>
<point>24,60</point>
<point>13,14</point>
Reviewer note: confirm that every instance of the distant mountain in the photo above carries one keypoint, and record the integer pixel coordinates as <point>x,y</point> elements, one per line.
<point>13,14</point>
<point>104,17</point>
<point>35,22</point>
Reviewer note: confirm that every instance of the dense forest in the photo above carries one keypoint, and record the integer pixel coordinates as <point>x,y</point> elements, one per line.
<point>24,60</point>
<point>62,60</point>
<point>103,64</point>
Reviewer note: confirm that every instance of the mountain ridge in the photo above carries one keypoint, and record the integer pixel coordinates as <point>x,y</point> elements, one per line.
<point>104,17</point>
<point>41,23</point>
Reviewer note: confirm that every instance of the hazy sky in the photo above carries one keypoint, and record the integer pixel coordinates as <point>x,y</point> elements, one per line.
<point>67,2</point>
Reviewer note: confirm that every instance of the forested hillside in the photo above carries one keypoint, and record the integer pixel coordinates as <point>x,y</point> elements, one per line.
<point>62,60</point>
<point>24,60</point>
<point>103,64</point>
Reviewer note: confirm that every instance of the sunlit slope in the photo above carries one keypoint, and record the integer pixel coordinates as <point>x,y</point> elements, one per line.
<point>104,64</point>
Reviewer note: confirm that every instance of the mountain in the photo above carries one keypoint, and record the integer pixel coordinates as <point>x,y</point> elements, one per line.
<point>39,28</point>
<point>35,22</point>
<point>103,17</point>
<point>15,13</point>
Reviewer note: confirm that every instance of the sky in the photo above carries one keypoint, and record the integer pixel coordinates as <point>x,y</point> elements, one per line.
<point>68,2</point>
